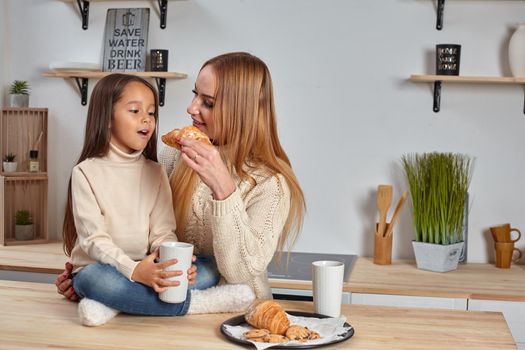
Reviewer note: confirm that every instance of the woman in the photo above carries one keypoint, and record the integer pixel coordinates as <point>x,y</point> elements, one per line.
<point>238,200</point>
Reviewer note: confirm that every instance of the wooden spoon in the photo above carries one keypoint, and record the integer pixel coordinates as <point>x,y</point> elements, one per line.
<point>384,199</point>
<point>396,213</point>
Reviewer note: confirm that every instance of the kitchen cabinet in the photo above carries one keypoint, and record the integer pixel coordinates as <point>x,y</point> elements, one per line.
<point>21,130</point>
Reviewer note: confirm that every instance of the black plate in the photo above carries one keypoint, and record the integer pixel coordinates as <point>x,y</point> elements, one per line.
<point>240,321</point>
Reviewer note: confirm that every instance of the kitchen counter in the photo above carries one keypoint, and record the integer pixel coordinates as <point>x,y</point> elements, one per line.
<point>35,316</point>
<point>469,281</point>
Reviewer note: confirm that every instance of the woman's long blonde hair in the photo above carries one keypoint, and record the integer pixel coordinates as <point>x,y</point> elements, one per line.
<point>246,136</point>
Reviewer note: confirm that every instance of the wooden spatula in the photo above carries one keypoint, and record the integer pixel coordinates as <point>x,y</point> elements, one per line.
<point>384,199</point>
<point>396,213</point>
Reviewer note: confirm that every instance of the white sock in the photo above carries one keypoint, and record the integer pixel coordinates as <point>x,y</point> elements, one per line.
<point>93,313</point>
<point>223,298</point>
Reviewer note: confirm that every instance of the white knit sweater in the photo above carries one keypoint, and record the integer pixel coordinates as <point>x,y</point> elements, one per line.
<point>241,231</point>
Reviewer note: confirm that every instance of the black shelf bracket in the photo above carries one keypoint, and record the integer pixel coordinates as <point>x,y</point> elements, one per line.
<point>163,6</point>
<point>161,86</point>
<point>82,84</point>
<point>437,96</point>
<point>83,6</point>
<point>440,11</point>
<point>524,99</point>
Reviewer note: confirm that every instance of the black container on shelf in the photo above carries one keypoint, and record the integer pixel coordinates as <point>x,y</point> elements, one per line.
<point>159,60</point>
<point>448,59</point>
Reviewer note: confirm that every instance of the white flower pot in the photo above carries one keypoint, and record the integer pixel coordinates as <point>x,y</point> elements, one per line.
<point>23,232</point>
<point>18,100</point>
<point>517,51</point>
<point>9,167</point>
<point>437,257</point>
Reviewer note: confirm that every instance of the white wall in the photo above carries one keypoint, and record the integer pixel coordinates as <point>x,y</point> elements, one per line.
<point>346,110</point>
<point>4,67</point>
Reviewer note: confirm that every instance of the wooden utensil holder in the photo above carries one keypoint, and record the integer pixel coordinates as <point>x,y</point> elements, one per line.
<point>383,248</point>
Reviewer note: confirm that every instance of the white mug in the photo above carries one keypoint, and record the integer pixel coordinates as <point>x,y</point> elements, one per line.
<point>183,252</point>
<point>328,287</point>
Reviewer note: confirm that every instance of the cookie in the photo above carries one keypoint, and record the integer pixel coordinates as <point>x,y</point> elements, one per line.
<point>256,333</point>
<point>298,332</point>
<point>314,335</point>
<point>275,338</point>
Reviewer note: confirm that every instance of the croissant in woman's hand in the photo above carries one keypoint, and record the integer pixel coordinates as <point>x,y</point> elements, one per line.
<point>268,314</point>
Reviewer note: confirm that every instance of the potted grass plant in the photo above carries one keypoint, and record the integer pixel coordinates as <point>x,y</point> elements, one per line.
<point>9,163</point>
<point>438,184</point>
<point>19,94</point>
<point>23,225</point>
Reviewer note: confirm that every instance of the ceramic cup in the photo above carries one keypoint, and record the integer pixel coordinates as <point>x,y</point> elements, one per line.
<point>504,254</point>
<point>183,252</point>
<point>502,233</point>
<point>328,287</point>
<point>383,248</point>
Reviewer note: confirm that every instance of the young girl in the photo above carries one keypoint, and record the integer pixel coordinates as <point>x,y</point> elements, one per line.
<point>119,209</point>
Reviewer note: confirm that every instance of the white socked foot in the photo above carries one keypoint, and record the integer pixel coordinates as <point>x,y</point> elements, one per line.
<point>223,298</point>
<point>92,313</point>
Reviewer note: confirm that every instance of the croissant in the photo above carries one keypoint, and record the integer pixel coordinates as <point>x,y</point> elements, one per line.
<point>190,132</point>
<point>268,314</point>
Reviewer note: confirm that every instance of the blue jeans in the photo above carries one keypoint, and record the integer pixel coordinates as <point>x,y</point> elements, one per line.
<point>103,283</point>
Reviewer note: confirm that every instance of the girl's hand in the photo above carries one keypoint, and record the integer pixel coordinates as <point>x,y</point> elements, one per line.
<point>64,283</point>
<point>207,162</point>
<point>192,272</point>
<point>152,274</point>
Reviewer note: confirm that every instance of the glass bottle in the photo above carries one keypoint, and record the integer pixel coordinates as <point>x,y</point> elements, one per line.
<point>34,165</point>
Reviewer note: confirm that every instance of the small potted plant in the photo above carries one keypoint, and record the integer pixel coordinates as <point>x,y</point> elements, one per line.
<point>9,163</point>
<point>19,94</point>
<point>438,185</point>
<point>23,225</point>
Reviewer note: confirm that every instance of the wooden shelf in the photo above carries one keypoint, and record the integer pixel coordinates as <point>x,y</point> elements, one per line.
<point>83,6</point>
<point>82,76</point>
<point>24,176</point>
<point>98,74</point>
<point>467,79</point>
<point>439,79</point>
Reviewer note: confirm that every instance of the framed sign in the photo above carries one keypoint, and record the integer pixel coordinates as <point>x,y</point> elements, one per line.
<point>125,40</point>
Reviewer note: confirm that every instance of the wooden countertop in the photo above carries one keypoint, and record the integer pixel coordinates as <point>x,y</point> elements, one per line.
<point>470,281</point>
<point>35,316</point>
<point>43,258</point>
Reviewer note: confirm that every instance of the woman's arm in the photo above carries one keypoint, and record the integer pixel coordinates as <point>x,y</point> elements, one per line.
<point>168,157</point>
<point>246,231</point>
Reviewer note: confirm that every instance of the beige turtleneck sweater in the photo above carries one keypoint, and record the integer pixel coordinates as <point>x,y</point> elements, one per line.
<point>241,231</point>
<point>122,209</point>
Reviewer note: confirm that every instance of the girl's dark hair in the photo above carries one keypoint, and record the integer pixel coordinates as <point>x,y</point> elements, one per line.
<point>96,139</point>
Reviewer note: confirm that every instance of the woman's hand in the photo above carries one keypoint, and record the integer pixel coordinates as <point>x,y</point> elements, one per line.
<point>64,283</point>
<point>207,162</point>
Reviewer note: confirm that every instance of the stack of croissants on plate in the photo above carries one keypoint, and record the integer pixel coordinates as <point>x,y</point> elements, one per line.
<point>272,325</point>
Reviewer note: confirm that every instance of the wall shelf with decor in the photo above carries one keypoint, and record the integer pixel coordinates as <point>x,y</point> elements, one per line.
<point>438,79</point>
<point>83,7</point>
<point>440,9</point>
<point>26,188</point>
<point>82,77</point>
